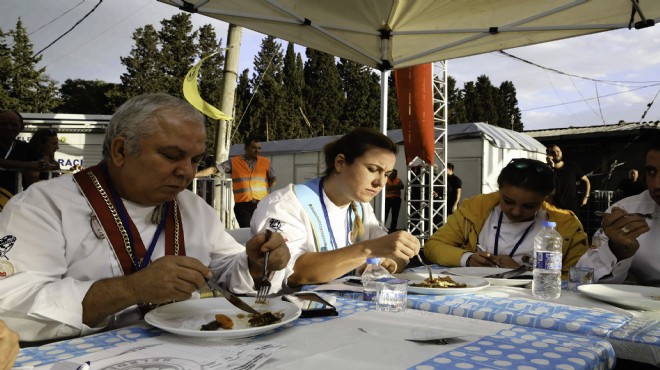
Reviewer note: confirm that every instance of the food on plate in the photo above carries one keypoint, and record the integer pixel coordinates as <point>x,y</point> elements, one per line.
<point>221,321</point>
<point>439,282</point>
<point>265,318</point>
<point>255,320</point>
<point>224,321</point>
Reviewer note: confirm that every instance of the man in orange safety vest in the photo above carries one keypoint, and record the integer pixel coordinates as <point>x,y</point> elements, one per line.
<point>252,176</point>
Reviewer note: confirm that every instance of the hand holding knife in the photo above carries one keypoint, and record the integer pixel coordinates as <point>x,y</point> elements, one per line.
<point>487,255</point>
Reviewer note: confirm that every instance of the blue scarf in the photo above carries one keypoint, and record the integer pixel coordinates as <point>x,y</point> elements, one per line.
<point>310,195</point>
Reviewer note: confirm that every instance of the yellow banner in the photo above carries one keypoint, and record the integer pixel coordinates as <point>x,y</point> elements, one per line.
<point>191,93</point>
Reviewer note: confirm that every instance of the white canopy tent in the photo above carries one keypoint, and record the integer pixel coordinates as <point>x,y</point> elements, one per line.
<point>387,34</point>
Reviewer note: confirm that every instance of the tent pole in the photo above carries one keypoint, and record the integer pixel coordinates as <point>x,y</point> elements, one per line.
<point>222,195</point>
<point>384,84</point>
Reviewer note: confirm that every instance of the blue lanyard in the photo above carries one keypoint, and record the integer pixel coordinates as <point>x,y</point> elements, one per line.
<point>497,236</point>
<point>124,217</point>
<point>327,218</point>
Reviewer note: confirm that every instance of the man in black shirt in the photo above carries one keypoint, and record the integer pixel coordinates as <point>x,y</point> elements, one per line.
<point>630,186</point>
<point>454,185</point>
<point>567,176</point>
<point>16,157</point>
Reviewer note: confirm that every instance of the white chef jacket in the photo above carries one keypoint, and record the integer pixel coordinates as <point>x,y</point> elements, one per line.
<point>57,256</point>
<point>645,264</point>
<point>294,223</point>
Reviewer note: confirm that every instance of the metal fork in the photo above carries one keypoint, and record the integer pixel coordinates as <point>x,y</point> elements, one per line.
<point>650,216</point>
<point>428,268</point>
<point>264,287</point>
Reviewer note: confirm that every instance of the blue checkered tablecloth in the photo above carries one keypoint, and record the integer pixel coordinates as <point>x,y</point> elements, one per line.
<point>629,334</point>
<point>514,348</point>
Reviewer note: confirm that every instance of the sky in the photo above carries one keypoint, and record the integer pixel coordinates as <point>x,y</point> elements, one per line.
<point>627,62</point>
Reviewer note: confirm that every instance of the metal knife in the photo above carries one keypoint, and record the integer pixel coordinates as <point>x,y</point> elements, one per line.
<point>231,297</point>
<point>509,274</point>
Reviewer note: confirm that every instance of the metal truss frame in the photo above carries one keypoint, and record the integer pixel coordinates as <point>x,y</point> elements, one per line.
<point>426,189</point>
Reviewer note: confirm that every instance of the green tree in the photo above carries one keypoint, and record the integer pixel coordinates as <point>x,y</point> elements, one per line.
<point>243,97</point>
<point>29,88</point>
<point>393,117</point>
<point>455,101</point>
<point>6,66</point>
<point>509,112</point>
<point>210,77</point>
<point>471,102</point>
<point>265,113</point>
<point>324,98</point>
<point>160,60</point>
<point>85,97</point>
<point>177,44</point>
<point>480,101</point>
<point>362,90</point>
<point>486,104</point>
<point>293,81</point>
<point>143,67</point>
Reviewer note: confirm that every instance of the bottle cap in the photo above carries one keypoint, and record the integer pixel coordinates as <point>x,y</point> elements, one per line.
<point>549,224</point>
<point>373,261</point>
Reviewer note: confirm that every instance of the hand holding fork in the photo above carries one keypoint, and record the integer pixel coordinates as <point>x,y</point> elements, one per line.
<point>264,287</point>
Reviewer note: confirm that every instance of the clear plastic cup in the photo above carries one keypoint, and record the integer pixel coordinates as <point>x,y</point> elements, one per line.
<point>392,294</point>
<point>578,276</point>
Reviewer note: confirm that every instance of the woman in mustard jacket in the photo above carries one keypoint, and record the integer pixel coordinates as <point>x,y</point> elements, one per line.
<point>498,229</point>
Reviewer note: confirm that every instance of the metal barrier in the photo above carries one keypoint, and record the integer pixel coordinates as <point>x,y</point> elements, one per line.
<point>599,200</point>
<point>217,193</point>
<point>19,179</point>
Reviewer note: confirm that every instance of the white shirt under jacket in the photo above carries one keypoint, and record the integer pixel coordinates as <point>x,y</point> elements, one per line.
<point>295,225</point>
<point>57,256</point>
<point>645,264</point>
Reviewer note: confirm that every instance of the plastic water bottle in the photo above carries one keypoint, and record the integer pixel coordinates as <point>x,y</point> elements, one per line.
<point>373,271</point>
<point>547,262</point>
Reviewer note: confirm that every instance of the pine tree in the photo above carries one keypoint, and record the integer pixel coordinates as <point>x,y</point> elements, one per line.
<point>471,102</point>
<point>210,78</point>
<point>30,89</point>
<point>5,68</point>
<point>144,67</point>
<point>508,109</point>
<point>265,113</point>
<point>324,98</point>
<point>177,43</point>
<point>362,90</point>
<point>456,106</point>
<point>85,97</point>
<point>243,96</point>
<point>292,95</point>
<point>487,111</point>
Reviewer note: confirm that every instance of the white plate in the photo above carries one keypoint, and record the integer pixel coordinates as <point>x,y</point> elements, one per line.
<point>630,296</point>
<point>187,317</point>
<point>473,284</point>
<point>485,271</point>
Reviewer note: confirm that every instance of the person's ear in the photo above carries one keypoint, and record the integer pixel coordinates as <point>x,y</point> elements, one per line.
<point>118,150</point>
<point>340,162</point>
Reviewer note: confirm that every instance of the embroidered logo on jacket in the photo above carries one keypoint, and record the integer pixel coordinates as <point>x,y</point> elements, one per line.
<point>275,224</point>
<point>6,243</point>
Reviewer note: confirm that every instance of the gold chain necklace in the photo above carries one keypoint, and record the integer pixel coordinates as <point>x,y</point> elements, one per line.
<point>120,225</point>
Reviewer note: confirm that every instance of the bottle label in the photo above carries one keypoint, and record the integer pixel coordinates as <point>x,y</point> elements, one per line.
<point>547,260</point>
